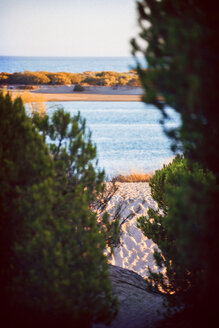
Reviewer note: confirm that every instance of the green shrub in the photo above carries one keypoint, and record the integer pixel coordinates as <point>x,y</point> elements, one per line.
<point>186,197</point>
<point>53,271</point>
<point>175,33</point>
<point>78,87</point>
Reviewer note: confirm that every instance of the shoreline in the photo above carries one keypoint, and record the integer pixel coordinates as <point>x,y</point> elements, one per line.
<point>91,93</point>
<point>89,97</point>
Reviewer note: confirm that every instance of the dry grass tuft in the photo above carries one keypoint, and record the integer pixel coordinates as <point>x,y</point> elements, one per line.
<point>35,102</point>
<point>133,177</point>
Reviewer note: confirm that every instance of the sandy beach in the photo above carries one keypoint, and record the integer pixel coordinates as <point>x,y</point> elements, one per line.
<point>91,93</point>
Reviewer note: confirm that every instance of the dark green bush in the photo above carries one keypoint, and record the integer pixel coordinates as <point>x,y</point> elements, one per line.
<point>53,271</point>
<point>78,87</point>
<point>184,237</point>
<point>182,40</point>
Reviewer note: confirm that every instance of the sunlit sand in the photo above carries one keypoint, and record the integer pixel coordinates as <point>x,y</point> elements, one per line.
<point>93,93</point>
<point>135,251</point>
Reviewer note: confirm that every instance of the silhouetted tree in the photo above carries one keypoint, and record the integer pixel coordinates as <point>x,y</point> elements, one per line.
<point>182,73</point>
<point>182,69</point>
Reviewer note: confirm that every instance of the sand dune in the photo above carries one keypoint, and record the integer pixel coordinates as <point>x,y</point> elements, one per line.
<point>135,251</point>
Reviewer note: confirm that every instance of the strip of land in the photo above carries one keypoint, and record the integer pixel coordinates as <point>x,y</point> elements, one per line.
<point>91,93</point>
<point>89,97</point>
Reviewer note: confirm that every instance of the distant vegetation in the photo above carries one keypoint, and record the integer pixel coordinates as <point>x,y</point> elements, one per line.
<point>87,78</point>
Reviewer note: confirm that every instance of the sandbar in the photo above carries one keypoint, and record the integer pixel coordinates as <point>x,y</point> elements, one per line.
<point>91,93</point>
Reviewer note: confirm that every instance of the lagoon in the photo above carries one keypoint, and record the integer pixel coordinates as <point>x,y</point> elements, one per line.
<point>128,135</point>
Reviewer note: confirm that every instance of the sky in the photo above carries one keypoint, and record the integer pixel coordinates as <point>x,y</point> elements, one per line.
<point>67,27</point>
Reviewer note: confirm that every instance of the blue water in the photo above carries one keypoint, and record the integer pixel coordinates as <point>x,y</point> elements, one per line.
<point>12,64</point>
<point>128,135</point>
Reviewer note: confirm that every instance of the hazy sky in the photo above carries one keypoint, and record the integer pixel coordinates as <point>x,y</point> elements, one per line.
<point>67,27</point>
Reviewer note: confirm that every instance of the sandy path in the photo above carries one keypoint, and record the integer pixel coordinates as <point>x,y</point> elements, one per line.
<point>135,252</point>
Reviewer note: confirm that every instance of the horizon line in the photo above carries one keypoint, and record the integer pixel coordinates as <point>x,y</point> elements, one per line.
<point>67,56</point>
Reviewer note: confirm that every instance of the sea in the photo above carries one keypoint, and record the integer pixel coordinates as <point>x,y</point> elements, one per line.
<point>12,64</point>
<point>128,135</point>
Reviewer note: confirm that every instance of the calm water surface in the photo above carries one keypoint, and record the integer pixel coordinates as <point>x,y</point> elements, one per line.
<point>13,64</point>
<point>128,135</point>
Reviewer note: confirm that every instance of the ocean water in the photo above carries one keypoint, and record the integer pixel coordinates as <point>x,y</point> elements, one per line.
<point>13,64</point>
<point>128,135</point>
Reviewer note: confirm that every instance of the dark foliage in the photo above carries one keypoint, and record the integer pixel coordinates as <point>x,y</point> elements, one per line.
<point>78,87</point>
<point>183,73</point>
<point>183,69</point>
<point>53,271</point>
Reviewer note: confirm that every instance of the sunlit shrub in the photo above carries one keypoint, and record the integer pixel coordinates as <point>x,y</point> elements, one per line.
<point>4,77</point>
<point>28,78</point>
<point>59,78</point>
<point>105,78</point>
<point>91,80</point>
<point>74,77</point>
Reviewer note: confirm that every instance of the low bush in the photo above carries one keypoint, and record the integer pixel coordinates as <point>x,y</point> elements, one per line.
<point>133,177</point>
<point>109,225</point>
<point>78,87</point>
<point>91,80</point>
<point>59,78</point>
<point>105,78</point>
<point>4,77</point>
<point>28,78</point>
<point>74,77</point>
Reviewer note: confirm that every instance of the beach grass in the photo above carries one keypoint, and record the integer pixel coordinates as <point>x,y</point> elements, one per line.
<point>133,176</point>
